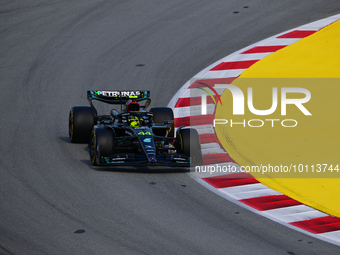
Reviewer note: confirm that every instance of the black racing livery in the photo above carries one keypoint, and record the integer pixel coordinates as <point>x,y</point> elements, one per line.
<point>133,135</point>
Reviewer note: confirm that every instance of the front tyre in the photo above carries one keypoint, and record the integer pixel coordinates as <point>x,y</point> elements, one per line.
<point>189,144</point>
<point>102,141</point>
<point>80,125</point>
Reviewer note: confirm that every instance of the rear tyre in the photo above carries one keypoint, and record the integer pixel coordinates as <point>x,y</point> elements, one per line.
<point>161,114</point>
<point>102,139</point>
<point>80,125</point>
<point>189,144</point>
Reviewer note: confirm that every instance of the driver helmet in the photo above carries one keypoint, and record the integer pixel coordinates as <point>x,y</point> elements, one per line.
<point>134,121</point>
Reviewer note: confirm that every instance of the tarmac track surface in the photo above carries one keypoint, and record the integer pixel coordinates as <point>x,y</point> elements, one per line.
<point>52,201</point>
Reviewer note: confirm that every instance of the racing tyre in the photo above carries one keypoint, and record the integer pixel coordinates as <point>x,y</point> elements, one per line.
<point>80,125</point>
<point>190,145</point>
<point>161,114</point>
<point>102,139</point>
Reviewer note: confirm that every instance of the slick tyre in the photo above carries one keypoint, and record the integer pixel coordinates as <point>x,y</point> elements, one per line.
<point>81,122</point>
<point>102,143</point>
<point>161,114</point>
<point>189,144</point>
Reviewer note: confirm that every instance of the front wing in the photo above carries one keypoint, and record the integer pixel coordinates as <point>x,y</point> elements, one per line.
<point>131,159</point>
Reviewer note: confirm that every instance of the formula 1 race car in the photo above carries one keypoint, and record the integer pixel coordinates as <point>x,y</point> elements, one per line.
<point>133,135</point>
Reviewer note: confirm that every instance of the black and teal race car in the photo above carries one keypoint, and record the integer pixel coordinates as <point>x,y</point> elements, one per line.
<point>133,135</point>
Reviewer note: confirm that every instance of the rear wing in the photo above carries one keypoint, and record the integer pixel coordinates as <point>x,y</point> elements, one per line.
<point>119,96</point>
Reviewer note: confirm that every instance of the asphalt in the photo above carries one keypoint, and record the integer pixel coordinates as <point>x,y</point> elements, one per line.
<point>52,201</point>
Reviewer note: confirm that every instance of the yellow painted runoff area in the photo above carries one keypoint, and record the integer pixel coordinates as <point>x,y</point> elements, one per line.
<point>294,146</point>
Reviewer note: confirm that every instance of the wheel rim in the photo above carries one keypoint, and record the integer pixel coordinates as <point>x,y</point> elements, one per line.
<point>92,148</point>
